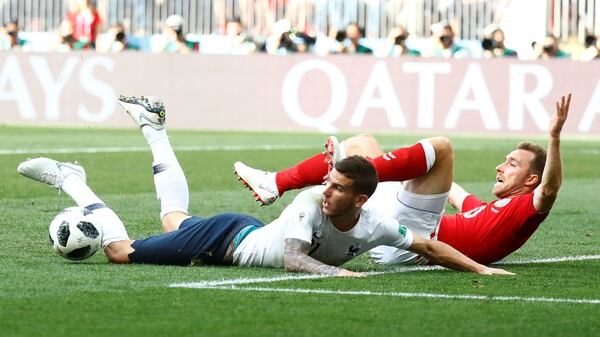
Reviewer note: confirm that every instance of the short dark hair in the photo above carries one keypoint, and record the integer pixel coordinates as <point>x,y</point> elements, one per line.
<point>539,160</point>
<point>361,171</point>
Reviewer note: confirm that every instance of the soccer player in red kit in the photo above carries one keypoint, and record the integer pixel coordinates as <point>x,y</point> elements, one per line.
<point>527,184</point>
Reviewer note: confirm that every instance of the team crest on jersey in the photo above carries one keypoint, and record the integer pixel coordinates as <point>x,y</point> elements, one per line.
<point>353,251</point>
<point>502,202</point>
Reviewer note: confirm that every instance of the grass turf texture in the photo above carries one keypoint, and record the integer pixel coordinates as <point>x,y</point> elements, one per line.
<point>42,294</point>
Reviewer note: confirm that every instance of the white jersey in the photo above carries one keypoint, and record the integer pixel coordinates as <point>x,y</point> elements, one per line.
<point>303,219</point>
<point>419,213</point>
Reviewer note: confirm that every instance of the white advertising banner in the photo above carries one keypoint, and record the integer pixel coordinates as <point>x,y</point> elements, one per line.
<point>301,92</point>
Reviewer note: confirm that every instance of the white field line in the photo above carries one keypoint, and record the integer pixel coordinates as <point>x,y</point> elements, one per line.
<point>194,148</point>
<point>191,148</point>
<point>553,259</point>
<point>411,295</point>
<point>238,281</point>
<point>233,284</point>
<point>403,269</point>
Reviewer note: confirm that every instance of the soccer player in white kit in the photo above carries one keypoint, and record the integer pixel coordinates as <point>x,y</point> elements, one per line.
<point>323,228</point>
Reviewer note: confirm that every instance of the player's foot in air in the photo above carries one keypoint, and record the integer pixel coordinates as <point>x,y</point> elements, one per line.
<point>50,171</point>
<point>145,110</point>
<point>261,183</point>
<point>333,154</point>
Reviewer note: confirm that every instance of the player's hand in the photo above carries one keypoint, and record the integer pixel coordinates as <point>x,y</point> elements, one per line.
<point>349,273</point>
<point>560,116</point>
<point>494,271</point>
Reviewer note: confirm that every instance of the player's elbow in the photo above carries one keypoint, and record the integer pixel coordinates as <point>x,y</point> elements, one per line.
<point>549,192</point>
<point>430,251</point>
<point>547,195</point>
<point>290,262</point>
<point>544,200</point>
<point>424,248</point>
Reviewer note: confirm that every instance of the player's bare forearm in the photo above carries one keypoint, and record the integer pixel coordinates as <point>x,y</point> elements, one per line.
<point>552,176</point>
<point>547,191</point>
<point>296,259</point>
<point>444,255</point>
<point>457,196</point>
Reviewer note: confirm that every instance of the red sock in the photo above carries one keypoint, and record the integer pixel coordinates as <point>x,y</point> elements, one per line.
<point>402,164</point>
<point>306,173</point>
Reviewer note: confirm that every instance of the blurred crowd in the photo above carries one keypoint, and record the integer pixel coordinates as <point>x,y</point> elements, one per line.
<point>81,30</point>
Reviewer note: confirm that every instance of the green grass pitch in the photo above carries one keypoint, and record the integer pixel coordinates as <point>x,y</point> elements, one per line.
<point>42,294</point>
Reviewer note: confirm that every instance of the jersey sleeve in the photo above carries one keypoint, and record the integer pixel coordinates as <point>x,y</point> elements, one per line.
<point>527,207</point>
<point>302,216</point>
<point>398,235</point>
<point>470,203</point>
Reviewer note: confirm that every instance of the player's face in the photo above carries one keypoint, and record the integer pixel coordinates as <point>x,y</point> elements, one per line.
<point>513,176</point>
<point>338,196</point>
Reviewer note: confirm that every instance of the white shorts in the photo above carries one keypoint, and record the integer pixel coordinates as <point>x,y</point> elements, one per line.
<point>420,213</point>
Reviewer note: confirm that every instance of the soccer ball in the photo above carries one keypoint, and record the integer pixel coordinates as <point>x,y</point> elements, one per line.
<point>75,234</point>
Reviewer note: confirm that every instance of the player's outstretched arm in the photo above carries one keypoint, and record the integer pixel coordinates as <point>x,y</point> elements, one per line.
<point>442,254</point>
<point>545,194</point>
<point>296,259</point>
<point>457,196</point>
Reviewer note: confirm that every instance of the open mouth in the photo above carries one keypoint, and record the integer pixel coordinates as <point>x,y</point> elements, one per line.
<point>499,180</point>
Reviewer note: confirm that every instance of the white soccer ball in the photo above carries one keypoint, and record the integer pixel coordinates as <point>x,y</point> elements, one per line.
<point>75,234</point>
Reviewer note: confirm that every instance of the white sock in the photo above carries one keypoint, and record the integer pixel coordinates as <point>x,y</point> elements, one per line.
<point>79,191</point>
<point>112,227</point>
<point>169,179</point>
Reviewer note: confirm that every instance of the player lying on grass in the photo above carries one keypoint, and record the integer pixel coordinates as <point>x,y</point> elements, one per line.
<point>323,228</point>
<point>527,184</point>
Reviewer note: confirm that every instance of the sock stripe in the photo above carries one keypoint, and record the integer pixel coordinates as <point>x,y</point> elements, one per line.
<point>90,208</point>
<point>158,168</point>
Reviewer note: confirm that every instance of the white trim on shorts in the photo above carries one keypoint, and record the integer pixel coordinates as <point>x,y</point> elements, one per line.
<point>432,203</point>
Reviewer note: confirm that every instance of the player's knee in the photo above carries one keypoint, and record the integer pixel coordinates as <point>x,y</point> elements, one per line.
<point>363,145</point>
<point>444,152</point>
<point>118,252</point>
<point>171,221</point>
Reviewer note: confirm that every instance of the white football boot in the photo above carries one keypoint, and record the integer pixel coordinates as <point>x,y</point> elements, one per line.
<point>145,110</point>
<point>261,183</point>
<point>50,171</point>
<point>334,152</point>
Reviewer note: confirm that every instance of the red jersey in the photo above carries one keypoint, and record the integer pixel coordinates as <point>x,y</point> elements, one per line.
<point>488,232</point>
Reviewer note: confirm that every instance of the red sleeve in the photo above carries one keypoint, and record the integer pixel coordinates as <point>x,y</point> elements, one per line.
<point>471,202</point>
<point>528,207</point>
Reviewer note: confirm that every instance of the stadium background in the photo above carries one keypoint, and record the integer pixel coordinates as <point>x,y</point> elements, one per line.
<point>313,90</point>
<point>210,94</point>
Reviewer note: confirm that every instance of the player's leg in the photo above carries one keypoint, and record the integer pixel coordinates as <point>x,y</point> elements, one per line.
<point>198,240</point>
<point>169,179</point>
<point>118,252</point>
<point>268,186</point>
<point>401,164</point>
<point>426,167</point>
<point>438,178</point>
<point>361,145</point>
<point>71,179</point>
<point>418,203</point>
